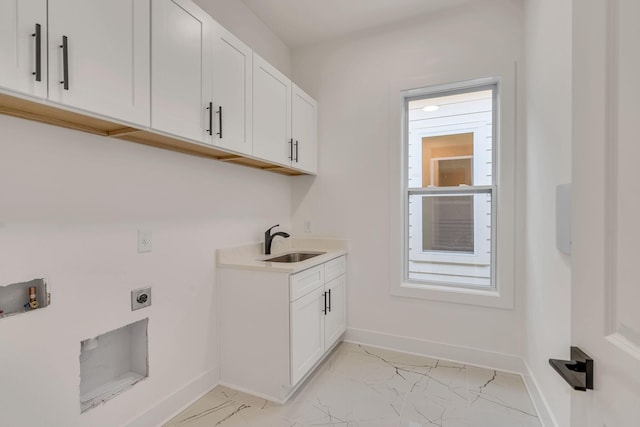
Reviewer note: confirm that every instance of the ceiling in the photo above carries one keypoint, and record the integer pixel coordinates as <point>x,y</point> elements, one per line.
<point>303,22</point>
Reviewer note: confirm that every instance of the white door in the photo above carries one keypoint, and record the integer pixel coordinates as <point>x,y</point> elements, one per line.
<point>335,321</point>
<point>181,102</point>
<point>606,210</point>
<point>304,114</point>
<point>107,60</point>
<point>23,26</point>
<point>232,91</point>
<point>307,333</point>
<point>271,113</point>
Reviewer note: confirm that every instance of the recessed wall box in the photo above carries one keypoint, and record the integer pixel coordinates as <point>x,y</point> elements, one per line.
<point>19,298</point>
<point>112,363</point>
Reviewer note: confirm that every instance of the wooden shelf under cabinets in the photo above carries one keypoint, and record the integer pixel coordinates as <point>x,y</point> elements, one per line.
<point>44,113</point>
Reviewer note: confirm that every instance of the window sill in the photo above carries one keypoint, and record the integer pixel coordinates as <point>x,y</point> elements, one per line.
<point>486,298</point>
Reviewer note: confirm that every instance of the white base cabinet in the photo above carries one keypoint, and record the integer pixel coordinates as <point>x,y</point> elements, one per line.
<point>276,327</point>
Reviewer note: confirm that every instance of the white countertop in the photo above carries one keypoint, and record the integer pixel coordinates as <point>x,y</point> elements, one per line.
<point>251,256</point>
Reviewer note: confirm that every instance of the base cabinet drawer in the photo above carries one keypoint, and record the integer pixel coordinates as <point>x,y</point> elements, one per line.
<point>306,281</point>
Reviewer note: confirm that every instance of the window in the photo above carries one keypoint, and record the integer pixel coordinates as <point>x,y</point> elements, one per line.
<point>453,199</point>
<point>450,188</point>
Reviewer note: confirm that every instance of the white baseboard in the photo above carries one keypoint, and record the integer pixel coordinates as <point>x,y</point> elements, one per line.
<point>464,355</point>
<point>176,402</point>
<point>542,407</point>
<point>438,350</point>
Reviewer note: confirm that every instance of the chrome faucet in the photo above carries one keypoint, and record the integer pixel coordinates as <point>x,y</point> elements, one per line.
<point>268,238</point>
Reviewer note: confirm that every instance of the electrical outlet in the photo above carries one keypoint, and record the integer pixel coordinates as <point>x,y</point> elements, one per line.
<point>144,241</point>
<point>140,298</point>
<point>307,226</point>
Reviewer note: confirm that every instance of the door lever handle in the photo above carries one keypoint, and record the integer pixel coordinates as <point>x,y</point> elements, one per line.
<point>578,371</point>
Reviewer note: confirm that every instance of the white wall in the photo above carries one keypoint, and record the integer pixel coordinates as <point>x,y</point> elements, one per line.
<point>70,207</point>
<point>548,272</point>
<point>236,17</point>
<point>351,79</point>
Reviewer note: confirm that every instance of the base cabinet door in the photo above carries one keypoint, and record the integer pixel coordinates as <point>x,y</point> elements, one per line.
<point>307,333</point>
<point>23,28</point>
<point>335,321</point>
<point>232,91</point>
<point>181,70</point>
<point>99,54</point>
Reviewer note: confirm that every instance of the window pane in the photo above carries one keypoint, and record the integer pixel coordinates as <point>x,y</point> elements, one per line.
<point>451,145</point>
<point>447,223</point>
<point>450,238</point>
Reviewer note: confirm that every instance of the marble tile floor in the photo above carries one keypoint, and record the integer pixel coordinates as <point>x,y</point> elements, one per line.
<point>360,386</point>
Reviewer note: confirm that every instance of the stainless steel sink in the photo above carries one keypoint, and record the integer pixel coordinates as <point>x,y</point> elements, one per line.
<point>294,257</point>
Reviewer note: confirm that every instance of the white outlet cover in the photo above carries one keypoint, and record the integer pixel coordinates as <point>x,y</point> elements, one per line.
<point>144,241</point>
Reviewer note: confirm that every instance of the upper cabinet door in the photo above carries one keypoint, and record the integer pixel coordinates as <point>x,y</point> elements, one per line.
<point>99,57</point>
<point>23,27</point>
<point>232,91</point>
<point>181,70</point>
<point>271,113</point>
<point>304,117</point>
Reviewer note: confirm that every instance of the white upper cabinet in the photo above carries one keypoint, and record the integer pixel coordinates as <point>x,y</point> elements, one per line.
<point>284,119</point>
<point>152,69</point>
<point>271,113</point>
<point>304,116</point>
<point>99,57</point>
<point>232,92</point>
<point>23,28</point>
<point>181,70</point>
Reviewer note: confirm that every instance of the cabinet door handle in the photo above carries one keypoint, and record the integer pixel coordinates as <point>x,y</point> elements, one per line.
<point>38,36</point>
<point>325,304</point>
<point>329,300</point>
<point>291,149</point>
<point>65,63</point>
<point>210,108</point>
<point>219,122</point>
<point>297,158</point>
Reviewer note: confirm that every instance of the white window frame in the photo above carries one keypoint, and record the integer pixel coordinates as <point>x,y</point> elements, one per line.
<point>500,295</point>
